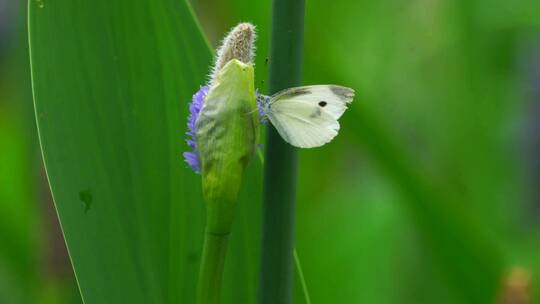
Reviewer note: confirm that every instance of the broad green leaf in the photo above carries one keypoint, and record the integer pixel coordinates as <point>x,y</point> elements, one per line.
<point>111,82</point>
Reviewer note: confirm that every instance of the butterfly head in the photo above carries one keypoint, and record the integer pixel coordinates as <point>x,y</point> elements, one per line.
<point>263,103</point>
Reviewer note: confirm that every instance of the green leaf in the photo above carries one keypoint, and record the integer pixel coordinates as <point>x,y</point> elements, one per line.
<point>111,82</point>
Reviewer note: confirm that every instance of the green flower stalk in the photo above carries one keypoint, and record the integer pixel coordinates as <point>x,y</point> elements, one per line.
<point>224,126</point>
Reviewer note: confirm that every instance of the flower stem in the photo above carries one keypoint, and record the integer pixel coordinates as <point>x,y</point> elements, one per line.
<point>275,280</point>
<point>211,272</point>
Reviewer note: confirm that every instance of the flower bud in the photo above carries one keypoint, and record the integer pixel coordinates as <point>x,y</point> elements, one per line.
<point>223,127</point>
<point>226,135</point>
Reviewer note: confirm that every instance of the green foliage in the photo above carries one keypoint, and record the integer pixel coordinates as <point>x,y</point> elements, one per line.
<point>424,184</point>
<point>18,255</point>
<point>111,84</point>
<point>430,143</point>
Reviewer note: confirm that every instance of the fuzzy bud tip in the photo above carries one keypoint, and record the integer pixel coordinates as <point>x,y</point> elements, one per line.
<point>238,44</point>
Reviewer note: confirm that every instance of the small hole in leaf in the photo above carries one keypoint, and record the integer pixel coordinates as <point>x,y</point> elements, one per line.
<point>86,197</point>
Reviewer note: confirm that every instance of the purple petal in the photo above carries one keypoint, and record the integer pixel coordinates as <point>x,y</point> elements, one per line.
<point>192,159</point>
<point>195,106</point>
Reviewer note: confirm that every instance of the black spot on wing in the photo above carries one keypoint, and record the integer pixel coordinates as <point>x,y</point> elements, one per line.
<point>322,103</point>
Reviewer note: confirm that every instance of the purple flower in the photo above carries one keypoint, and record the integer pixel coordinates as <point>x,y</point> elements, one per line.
<point>195,106</point>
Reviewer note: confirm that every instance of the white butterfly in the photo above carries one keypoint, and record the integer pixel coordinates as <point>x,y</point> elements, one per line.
<point>307,117</point>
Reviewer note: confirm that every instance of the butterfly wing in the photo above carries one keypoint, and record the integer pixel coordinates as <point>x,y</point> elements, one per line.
<point>307,117</point>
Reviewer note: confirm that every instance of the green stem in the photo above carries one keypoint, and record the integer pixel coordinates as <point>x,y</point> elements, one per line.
<point>211,272</point>
<point>275,281</point>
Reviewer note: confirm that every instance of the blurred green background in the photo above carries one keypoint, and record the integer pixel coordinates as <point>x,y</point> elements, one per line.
<point>451,93</point>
